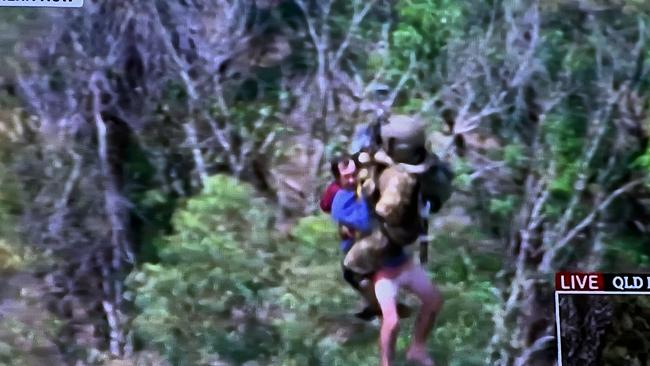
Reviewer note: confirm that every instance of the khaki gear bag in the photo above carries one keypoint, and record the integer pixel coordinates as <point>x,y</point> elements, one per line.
<point>367,252</point>
<point>395,192</point>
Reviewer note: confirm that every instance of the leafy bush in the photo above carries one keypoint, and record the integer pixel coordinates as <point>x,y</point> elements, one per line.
<point>28,342</point>
<point>425,26</point>
<point>502,207</point>
<point>9,258</point>
<point>464,268</point>
<point>565,137</point>
<point>210,271</point>
<point>225,289</point>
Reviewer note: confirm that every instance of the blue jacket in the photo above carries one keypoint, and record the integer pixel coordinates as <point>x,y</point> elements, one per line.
<point>355,214</point>
<point>349,211</point>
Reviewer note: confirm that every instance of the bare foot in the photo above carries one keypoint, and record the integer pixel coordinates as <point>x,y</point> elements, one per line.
<point>419,356</point>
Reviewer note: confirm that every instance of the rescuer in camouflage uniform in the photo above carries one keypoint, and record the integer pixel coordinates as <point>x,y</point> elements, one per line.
<point>391,180</point>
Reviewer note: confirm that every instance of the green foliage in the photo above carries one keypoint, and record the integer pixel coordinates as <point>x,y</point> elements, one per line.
<point>514,155</point>
<point>14,255</point>
<point>465,324</point>
<point>465,272</point>
<point>626,251</point>
<point>563,184</point>
<point>221,271</point>
<point>212,263</point>
<point>423,29</point>
<point>10,194</point>
<point>315,302</point>
<point>462,172</point>
<point>14,23</point>
<point>642,163</point>
<point>563,50</point>
<point>254,121</point>
<point>406,38</point>
<point>425,26</point>
<point>580,61</point>
<point>565,139</point>
<point>555,51</point>
<point>28,331</point>
<point>152,206</point>
<point>9,258</point>
<point>411,106</point>
<point>502,207</point>
<point>28,342</point>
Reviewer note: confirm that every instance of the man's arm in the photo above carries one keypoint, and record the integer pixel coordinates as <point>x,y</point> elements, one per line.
<point>350,211</point>
<point>328,197</point>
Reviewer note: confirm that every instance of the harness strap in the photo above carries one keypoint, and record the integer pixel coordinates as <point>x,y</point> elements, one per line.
<point>424,209</point>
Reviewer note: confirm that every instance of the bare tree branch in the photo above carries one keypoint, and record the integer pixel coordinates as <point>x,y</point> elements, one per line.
<point>356,19</point>
<point>551,254</point>
<point>190,132</point>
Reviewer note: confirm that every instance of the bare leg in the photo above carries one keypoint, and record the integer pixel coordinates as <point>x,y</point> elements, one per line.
<point>386,291</point>
<point>418,282</point>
